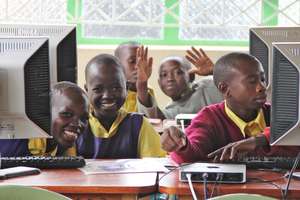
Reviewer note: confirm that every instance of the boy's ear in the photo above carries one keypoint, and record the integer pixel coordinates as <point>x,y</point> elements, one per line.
<point>85,88</point>
<point>224,89</point>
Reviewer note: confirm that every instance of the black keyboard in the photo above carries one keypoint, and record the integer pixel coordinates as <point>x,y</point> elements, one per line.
<point>43,162</point>
<point>267,162</point>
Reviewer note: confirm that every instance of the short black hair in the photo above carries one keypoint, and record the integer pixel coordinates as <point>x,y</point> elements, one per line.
<point>226,63</point>
<point>63,86</point>
<point>182,61</point>
<point>117,52</point>
<point>103,59</point>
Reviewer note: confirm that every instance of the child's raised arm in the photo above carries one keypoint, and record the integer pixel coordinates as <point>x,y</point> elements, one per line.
<point>203,64</point>
<point>144,71</point>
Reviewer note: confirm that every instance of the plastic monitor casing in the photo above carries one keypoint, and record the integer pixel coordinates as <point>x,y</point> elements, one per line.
<point>24,88</point>
<point>285,124</point>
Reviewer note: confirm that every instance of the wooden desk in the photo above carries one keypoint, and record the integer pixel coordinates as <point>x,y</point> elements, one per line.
<point>170,184</point>
<point>76,185</point>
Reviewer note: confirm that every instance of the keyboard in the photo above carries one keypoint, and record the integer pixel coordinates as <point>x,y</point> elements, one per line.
<point>43,162</point>
<point>266,162</point>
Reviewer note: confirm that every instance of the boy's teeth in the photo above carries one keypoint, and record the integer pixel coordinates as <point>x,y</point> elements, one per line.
<point>70,133</point>
<point>108,104</point>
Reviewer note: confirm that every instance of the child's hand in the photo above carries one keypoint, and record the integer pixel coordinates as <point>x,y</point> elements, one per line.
<point>173,139</point>
<point>243,146</point>
<point>204,65</point>
<point>144,65</point>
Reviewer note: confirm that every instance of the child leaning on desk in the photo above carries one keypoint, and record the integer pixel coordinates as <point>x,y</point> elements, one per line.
<point>234,126</point>
<point>69,117</point>
<point>113,132</point>
<point>176,80</point>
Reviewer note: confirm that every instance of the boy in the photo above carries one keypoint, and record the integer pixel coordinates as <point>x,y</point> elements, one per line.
<point>233,126</point>
<point>69,114</point>
<point>113,132</point>
<point>131,54</point>
<point>176,78</point>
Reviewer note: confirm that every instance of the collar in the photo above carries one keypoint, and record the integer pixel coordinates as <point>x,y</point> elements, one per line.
<point>251,128</point>
<point>99,131</point>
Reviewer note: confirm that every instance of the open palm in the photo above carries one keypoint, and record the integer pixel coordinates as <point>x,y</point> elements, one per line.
<point>203,64</point>
<point>144,64</point>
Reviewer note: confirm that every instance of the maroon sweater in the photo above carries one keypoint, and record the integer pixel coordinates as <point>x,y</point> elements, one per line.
<point>212,129</point>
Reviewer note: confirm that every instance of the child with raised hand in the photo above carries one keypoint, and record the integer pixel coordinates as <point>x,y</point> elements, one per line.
<point>128,55</point>
<point>69,117</point>
<point>112,132</point>
<point>231,127</point>
<point>176,80</point>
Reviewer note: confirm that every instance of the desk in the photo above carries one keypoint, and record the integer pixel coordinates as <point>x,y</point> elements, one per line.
<point>170,184</point>
<point>76,185</point>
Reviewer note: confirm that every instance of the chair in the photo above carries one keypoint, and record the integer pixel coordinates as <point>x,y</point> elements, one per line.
<point>18,192</point>
<point>243,196</point>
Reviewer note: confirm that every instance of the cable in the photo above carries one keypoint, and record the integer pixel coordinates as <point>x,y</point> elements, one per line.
<point>189,178</point>
<point>171,170</point>
<point>261,180</point>
<point>290,176</point>
<point>204,176</point>
<point>218,178</point>
<point>182,125</point>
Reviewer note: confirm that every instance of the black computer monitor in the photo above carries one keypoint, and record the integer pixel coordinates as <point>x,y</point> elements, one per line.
<point>260,43</point>
<point>24,88</point>
<point>62,47</point>
<point>285,121</point>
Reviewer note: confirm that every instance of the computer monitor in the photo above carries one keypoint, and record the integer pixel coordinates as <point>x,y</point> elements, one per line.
<point>24,88</point>
<point>62,43</point>
<point>285,111</point>
<point>261,39</point>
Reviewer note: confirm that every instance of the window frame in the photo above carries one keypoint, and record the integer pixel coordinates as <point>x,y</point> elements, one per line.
<point>170,33</point>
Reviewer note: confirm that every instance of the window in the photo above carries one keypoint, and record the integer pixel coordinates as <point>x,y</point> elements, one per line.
<point>119,19</point>
<point>166,22</point>
<point>33,11</point>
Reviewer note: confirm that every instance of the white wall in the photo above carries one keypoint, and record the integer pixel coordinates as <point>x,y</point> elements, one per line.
<point>85,53</point>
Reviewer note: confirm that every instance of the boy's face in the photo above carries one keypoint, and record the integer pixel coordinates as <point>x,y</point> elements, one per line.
<point>247,87</point>
<point>127,58</point>
<point>106,88</point>
<point>69,117</point>
<point>173,79</point>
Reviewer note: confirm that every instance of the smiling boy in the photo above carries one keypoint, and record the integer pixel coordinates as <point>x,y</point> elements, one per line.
<point>112,131</point>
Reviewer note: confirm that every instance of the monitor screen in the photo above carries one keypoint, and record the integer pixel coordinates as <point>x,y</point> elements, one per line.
<point>62,47</point>
<point>261,39</point>
<point>24,88</point>
<point>285,121</point>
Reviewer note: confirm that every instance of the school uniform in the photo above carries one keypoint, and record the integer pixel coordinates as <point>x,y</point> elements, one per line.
<point>130,104</point>
<point>130,136</point>
<point>200,94</point>
<point>216,126</point>
<point>14,147</point>
<point>38,147</point>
